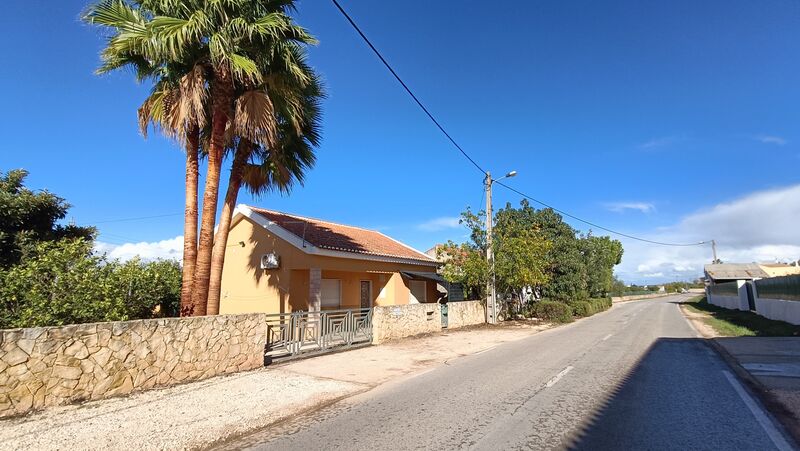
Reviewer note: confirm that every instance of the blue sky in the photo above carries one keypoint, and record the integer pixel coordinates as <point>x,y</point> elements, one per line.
<point>641,116</point>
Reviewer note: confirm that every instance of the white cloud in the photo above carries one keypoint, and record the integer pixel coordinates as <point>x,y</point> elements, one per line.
<point>759,227</point>
<point>621,207</point>
<point>167,249</point>
<point>438,224</point>
<point>771,139</point>
<point>657,142</point>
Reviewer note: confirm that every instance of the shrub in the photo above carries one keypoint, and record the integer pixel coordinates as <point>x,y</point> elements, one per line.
<point>552,311</point>
<point>63,282</point>
<point>583,309</point>
<point>600,304</point>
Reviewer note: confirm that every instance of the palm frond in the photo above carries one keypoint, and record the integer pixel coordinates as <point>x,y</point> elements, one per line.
<point>254,117</point>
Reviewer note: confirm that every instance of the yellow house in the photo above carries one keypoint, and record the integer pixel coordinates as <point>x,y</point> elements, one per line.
<point>780,269</point>
<point>277,263</point>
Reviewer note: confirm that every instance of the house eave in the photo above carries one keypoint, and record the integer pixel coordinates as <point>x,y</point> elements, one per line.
<point>308,248</point>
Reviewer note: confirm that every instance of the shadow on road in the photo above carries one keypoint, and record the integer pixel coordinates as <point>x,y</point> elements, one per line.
<point>676,397</point>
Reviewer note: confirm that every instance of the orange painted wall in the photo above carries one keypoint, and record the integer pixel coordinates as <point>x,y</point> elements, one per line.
<point>246,288</point>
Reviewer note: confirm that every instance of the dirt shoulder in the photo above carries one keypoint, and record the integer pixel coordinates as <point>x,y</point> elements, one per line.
<point>699,321</point>
<point>199,414</point>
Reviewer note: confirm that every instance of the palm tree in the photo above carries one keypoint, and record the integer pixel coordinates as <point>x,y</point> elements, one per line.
<point>227,39</point>
<point>177,108</point>
<point>279,123</point>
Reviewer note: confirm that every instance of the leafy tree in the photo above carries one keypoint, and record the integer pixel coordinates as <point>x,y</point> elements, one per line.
<point>600,254</point>
<point>466,264</point>
<point>566,265</point>
<point>64,282</point>
<point>30,217</point>
<point>535,249</point>
<point>520,256</point>
<point>618,287</point>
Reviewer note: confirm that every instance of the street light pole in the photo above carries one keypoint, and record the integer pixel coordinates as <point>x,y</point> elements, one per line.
<point>491,295</point>
<point>714,250</point>
<point>491,305</point>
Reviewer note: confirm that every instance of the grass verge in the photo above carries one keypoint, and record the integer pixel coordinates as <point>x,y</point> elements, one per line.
<point>737,323</point>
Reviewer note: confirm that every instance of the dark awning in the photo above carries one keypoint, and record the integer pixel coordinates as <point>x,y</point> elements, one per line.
<point>417,275</point>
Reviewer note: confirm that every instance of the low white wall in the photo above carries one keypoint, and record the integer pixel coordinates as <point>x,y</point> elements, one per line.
<point>779,309</point>
<point>729,302</point>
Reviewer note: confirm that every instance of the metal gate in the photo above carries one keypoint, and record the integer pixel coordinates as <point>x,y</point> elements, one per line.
<point>291,334</point>
<point>443,308</point>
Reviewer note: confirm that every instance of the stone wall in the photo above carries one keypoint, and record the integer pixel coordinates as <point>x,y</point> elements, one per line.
<point>404,321</point>
<point>400,321</point>
<point>49,366</point>
<point>465,313</point>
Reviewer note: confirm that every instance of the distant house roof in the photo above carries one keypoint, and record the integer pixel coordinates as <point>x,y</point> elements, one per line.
<point>336,237</point>
<point>735,271</point>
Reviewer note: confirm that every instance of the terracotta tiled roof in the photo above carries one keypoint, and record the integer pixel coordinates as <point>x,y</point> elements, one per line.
<point>340,237</point>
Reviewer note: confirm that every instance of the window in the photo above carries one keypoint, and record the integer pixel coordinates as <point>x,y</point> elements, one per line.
<point>331,293</point>
<point>417,291</point>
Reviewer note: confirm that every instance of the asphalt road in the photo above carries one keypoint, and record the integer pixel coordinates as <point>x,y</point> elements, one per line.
<point>635,377</point>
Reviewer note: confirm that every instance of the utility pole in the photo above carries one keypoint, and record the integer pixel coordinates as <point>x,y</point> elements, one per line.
<point>714,251</point>
<point>491,294</point>
<point>491,302</point>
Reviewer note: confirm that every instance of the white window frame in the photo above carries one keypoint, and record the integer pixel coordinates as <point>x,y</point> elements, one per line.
<point>322,305</point>
<point>411,296</point>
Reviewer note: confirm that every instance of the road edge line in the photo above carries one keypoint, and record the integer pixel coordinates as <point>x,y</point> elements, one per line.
<point>783,419</point>
<point>778,438</point>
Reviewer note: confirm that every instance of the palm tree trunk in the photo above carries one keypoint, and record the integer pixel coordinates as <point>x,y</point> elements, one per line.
<point>222,93</point>
<point>190,220</point>
<point>221,238</point>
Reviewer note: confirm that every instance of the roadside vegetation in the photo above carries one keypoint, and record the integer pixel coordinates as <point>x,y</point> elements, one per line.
<point>619,288</point>
<point>544,268</point>
<point>50,274</point>
<point>228,79</point>
<point>737,323</point>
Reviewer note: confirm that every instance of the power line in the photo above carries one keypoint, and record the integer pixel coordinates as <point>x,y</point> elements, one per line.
<point>405,86</point>
<point>140,218</point>
<point>464,153</point>
<point>596,225</point>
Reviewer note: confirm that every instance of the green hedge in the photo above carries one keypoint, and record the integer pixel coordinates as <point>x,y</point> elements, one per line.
<point>787,288</point>
<point>582,309</point>
<point>551,311</point>
<point>600,304</point>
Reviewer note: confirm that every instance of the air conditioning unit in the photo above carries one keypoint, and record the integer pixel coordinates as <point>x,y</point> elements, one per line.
<point>270,261</point>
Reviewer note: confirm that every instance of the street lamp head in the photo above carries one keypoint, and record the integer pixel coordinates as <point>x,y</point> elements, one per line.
<point>511,174</point>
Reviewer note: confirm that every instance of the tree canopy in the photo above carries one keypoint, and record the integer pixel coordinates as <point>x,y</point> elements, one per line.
<point>30,217</point>
<point>50,274</point>
<point>535,252</point>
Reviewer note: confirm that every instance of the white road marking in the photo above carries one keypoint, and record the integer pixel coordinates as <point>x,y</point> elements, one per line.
<point>558,377</point>
<point>762,418</point>
<point>607,337</point>
<point>484,350</point>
